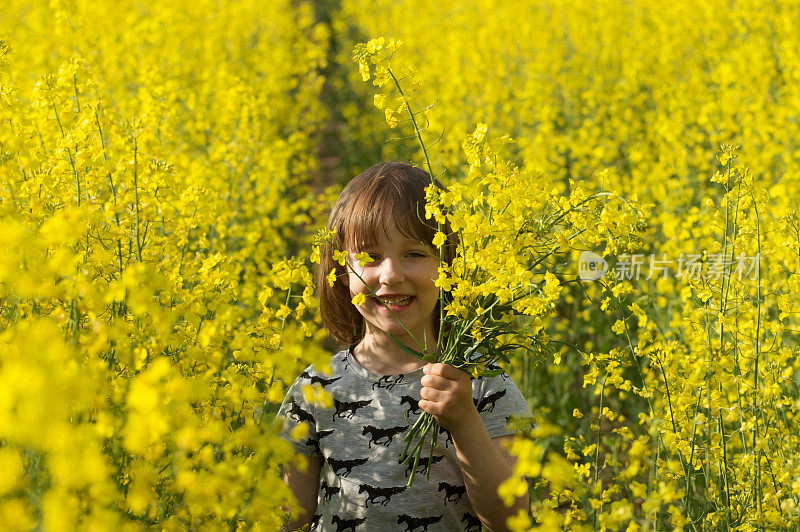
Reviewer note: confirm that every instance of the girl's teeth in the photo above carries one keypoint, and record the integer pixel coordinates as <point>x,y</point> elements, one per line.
<point>396,302</point>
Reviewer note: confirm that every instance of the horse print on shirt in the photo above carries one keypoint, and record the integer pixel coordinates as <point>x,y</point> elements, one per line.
<point>422,465</point>
<point>388,381</point>
<point>448,438</point>
<point>376,434</point>
<point>413,523</point>
<point>374,493</point>
<point>473,523</point>
<point>317,378</point>
<point>328,491</point>
<point>452,493</point>
<point>344,524</point>
<point>315,443</point>
<point>298,414</point>
<point>413,404</point>
<point>488,403</point>
<point>342,407</point>
<point>345,465</point>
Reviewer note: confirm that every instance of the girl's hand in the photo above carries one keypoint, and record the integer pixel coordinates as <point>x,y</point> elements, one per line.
<point>447,395</point>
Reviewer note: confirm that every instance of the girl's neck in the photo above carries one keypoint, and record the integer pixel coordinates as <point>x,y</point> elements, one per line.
<point>380,354</point>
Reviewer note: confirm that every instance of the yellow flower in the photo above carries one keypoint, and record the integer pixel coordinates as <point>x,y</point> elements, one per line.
<point>510,489</point>
<point>582,469</point>
<point>391,119</point>
<point>363,69</point>
<point>299,431</point>
<point>438,239</point>
<point>552,287</point>
<point>340,256</point>
<point>375,45</point>
<point>331,278</point>
<point>359,300</point>
<point>363,258</point>
<point>520,521</point>
<point>317,395</point>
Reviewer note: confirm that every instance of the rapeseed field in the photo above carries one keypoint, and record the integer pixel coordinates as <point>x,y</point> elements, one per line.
<point>165,169</point>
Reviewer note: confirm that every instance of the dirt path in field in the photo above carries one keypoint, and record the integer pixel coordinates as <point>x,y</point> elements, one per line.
<point>338,156</point>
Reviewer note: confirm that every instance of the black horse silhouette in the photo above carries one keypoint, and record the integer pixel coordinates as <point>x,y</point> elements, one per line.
<point>374,493</point>
<point>488,403</point>
<point>344,524</point>
<point>328,491</point>
<point>342,407</point>
<point>473,523</point>
<point>413,523</point>
<point>298,414</point>
<point>376,434</point>
<point>423,463</point>
<point>413,404</point>
<point>452,493</point>
<point>388,381</point>
<point>317,378</point>
<point>346,465</point>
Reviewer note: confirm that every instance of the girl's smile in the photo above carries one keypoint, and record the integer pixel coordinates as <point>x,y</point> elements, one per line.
<point>395,302</point>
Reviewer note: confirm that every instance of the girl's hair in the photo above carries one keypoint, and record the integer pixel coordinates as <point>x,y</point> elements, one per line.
<point>388,193</point>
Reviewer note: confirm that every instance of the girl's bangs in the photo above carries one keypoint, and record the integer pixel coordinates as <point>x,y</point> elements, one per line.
<point>371,213</point>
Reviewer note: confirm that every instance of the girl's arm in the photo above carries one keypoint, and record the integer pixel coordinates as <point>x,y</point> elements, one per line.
<point>485,464</point>
<point>304,486</point>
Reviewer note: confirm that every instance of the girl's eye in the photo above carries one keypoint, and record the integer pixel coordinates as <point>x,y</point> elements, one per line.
<point>417,254</point>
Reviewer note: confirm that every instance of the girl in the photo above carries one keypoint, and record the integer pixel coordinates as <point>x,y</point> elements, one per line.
<point>354,480</point>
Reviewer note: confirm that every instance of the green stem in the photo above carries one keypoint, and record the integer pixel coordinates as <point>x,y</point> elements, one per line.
<point>440,336</point>
<point>757,353</point>
<point>136,198</point>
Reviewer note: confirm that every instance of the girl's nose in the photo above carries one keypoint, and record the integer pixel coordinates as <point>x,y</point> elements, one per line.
<point>390,272</point>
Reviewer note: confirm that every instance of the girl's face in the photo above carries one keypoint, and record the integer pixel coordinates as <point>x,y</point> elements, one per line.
<point>402,274</point>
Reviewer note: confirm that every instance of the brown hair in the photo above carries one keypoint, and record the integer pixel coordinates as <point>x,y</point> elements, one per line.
<point>388,193</point>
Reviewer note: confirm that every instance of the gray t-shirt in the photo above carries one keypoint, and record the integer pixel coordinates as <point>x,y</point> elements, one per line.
<point>362,483</point>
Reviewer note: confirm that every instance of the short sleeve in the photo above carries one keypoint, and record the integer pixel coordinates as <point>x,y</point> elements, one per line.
<point>499,401</point>
<point>294,411</point>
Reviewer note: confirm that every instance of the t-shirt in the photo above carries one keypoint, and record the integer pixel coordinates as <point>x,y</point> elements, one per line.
<point>362,482</point>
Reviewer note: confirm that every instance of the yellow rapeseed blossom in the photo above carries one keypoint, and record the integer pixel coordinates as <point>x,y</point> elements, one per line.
<point>340,256</point>
<point>363,258</point>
